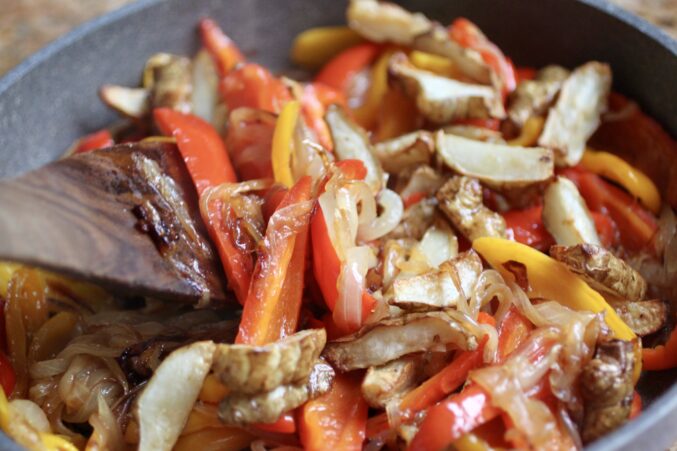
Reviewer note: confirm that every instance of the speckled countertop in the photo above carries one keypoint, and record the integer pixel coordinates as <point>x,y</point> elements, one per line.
<point>27,25</point>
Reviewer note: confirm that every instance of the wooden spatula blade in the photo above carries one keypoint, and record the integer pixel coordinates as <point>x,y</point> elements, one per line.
<point>125,217</point>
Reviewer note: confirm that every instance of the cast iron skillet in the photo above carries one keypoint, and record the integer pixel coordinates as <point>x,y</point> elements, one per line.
<point>50,99</point>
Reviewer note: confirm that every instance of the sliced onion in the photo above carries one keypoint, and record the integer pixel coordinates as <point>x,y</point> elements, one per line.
<point>351,284</point>
<point>393,208</point>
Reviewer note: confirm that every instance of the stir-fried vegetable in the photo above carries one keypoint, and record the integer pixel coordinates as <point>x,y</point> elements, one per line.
<point>426,251</point>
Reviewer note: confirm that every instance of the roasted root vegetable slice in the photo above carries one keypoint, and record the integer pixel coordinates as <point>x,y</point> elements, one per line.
<point>167,400</point>
<point>352,143</point>
<point>252,369</point>
<point>386,383</point>
<point>441,99</point>
<point>133,103</point>
<point>407,150</point>
<point>602,270</point>
<point>266,407</point>
<point>423,181</point>
<point>607,388</point>
<point>533,97</point>
<point>461,200</point>
<point>389,339</point>
<point>452,283</point>
<point>169,78</point>
<point>566,216</point>
<point>494,164</point>
<point>386,22</point>
<point>643,317</point>
<point>576,115</point>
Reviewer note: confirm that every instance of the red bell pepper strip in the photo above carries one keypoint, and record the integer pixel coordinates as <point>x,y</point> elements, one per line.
<point>314,102</point>
<point>468,35</point>
<point>527,227</point>
<point>606,229</point>
<point>636,225</point>
<point>338,72</point>
<point>661,357</point>
<point>271,201</point>
<point>448,379</point>
<point>97,140</point>
<point>249,141</point>
<point>200,145</point>
<point>7,375</point>
<point>512,332</point>
<point>336,420</point>
<point>326,264</point>
<point>209,165</point>
<point>491,124</point>
<point>524,73</point>
<point>274,301</point>
<point>253,86</point>
<point>284,425</point>
<point>414,198</point>
<point>221,47</point>
<point>450,419</point>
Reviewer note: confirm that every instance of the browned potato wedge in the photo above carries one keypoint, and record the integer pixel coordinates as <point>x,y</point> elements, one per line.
<point>602,270</point>
<point>461,200</point>
<point>576,115</point>
<point>643,317</point>
<point>168,398</point>
<point>389,339</point>
<point>253,369</point>
<point>351,142</point>
<point>415,221</point>
<point>399,153</point>
<point>133,103</point>
<point>172,85</point>
<point>566,216</point>
<point>386,22</point>
<point>606,388</point>
<point>266,407</point>
<point>475,133</point>
<point>423,179</point>
<point>441,99</point>
<point>533,97</point>
<point>496,165</point>
<point>442,288</point>
<point>388,382</point>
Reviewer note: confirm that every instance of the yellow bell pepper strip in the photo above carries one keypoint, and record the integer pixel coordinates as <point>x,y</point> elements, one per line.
<point>367,114</point>
<point>283,143</point>
<point>434,63</point>
<point>530,132</point>
<point>338,72</point>
<point>212,391</point>
<point>661,357</point>
<point>314,47</point>
<point>221,47</point>
<point>472,442</point>
<point>618,170</point>
<point>550,279</point>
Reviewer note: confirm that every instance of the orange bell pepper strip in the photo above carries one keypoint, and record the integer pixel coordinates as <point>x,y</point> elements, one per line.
<point>221,47</point>
<point>271,200</point>
<point>606,229</point>
<point>524,73</point>
<point>636,225</point>
<point>336,420</point>
<point>527,227</point>
<point>97,140</point>
<point>340,70</point>
<point>253,86</point>
<point>661,357</point>
<point>468,35</point>
<point>200,145</point>
<point>284,425</point>
<point>274,301</point>
<point>249,140</point>
<point>491,124</point>
<point>398,115</point>
<point>512,332</point>
<point>366,115</point>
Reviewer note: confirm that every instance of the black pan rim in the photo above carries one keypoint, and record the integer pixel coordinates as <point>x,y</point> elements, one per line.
<point>655,416</point>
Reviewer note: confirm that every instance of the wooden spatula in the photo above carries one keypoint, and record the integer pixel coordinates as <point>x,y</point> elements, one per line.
<point>126,218</point>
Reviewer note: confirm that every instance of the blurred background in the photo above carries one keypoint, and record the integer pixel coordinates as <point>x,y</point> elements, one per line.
<point>27,25</point>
